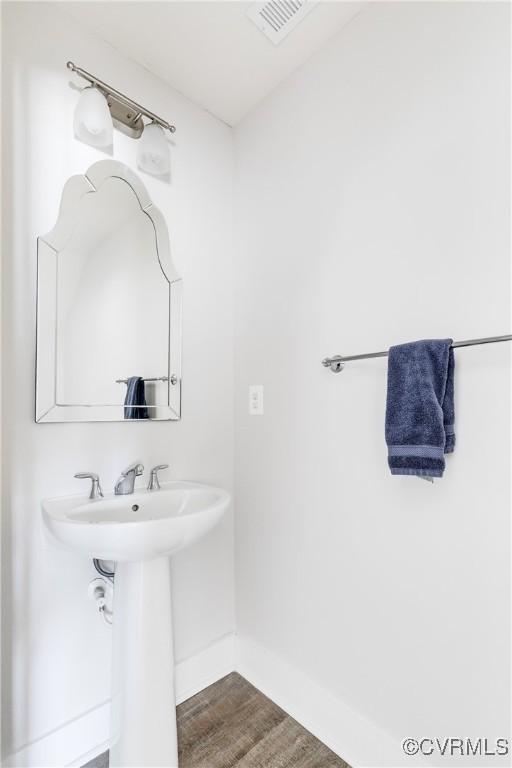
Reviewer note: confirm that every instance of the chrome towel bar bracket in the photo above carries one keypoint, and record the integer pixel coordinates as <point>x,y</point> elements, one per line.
<point>335,363</point>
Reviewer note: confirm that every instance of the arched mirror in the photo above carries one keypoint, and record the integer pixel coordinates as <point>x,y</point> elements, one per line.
<point>108,305</point>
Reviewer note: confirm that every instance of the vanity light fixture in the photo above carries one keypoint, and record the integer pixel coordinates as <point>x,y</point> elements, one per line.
<point>153,151</point>
<point>93,123</point>
<point>125,113</point>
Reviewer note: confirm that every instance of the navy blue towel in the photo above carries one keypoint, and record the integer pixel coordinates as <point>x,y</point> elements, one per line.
<point>135,400</point>
<point>420,409</point>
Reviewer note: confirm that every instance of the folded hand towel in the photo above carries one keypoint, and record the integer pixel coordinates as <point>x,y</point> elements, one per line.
<point>135,400</point>
<point>420,407</point>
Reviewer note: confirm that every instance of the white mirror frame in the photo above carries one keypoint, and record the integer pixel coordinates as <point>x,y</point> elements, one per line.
<point>48,247</point>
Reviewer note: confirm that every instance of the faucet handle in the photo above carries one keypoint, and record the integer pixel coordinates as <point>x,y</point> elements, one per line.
<point>96,491</point>
<point>153,484</point>
<point>136,467</point>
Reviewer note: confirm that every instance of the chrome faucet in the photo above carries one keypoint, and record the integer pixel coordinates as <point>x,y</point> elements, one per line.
<point>154,484</point>
<point>96,492</point>
<point>126,481</point>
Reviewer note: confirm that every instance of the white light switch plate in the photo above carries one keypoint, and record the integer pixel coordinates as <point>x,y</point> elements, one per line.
<point>256,399</point>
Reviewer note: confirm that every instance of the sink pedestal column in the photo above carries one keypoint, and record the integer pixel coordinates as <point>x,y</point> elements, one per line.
<point>143,720</point>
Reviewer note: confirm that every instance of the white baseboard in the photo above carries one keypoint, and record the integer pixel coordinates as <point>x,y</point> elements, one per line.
<point>351,736</point>
<point>204,668</point>
<point>86,733</point>
<point>87,736</point>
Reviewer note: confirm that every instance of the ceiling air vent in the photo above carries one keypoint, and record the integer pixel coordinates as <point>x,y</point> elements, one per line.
<point>277,18</point>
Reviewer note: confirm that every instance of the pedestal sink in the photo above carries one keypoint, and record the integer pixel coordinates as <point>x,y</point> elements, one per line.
<point>139,532</point>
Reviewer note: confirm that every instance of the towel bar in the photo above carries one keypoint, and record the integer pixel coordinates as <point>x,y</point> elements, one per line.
<point>173,379</point>
<point>337,362</point>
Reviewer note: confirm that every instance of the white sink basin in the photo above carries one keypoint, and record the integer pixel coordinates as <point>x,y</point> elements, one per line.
<point>139,532</point>
<point>140,526</point>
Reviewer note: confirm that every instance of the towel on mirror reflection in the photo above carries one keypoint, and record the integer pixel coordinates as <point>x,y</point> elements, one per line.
<point>135,401</point>
<point>420,411</point>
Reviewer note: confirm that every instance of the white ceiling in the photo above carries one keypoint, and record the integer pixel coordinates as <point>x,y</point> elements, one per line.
<point>210,51</point>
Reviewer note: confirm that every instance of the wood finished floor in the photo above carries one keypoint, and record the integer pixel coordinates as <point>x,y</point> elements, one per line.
<point>232,725</point>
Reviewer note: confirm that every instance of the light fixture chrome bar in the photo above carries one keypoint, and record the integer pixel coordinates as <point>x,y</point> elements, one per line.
<point>118,96</point>
<point>337,362</point>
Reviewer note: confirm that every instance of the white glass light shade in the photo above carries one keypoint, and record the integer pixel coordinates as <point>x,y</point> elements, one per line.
<point>93,122</point>
<point>153,151</point>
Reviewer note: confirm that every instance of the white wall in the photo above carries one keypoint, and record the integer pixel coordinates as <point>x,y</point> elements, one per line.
<point>373,208</point>
<point>56,648</point>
